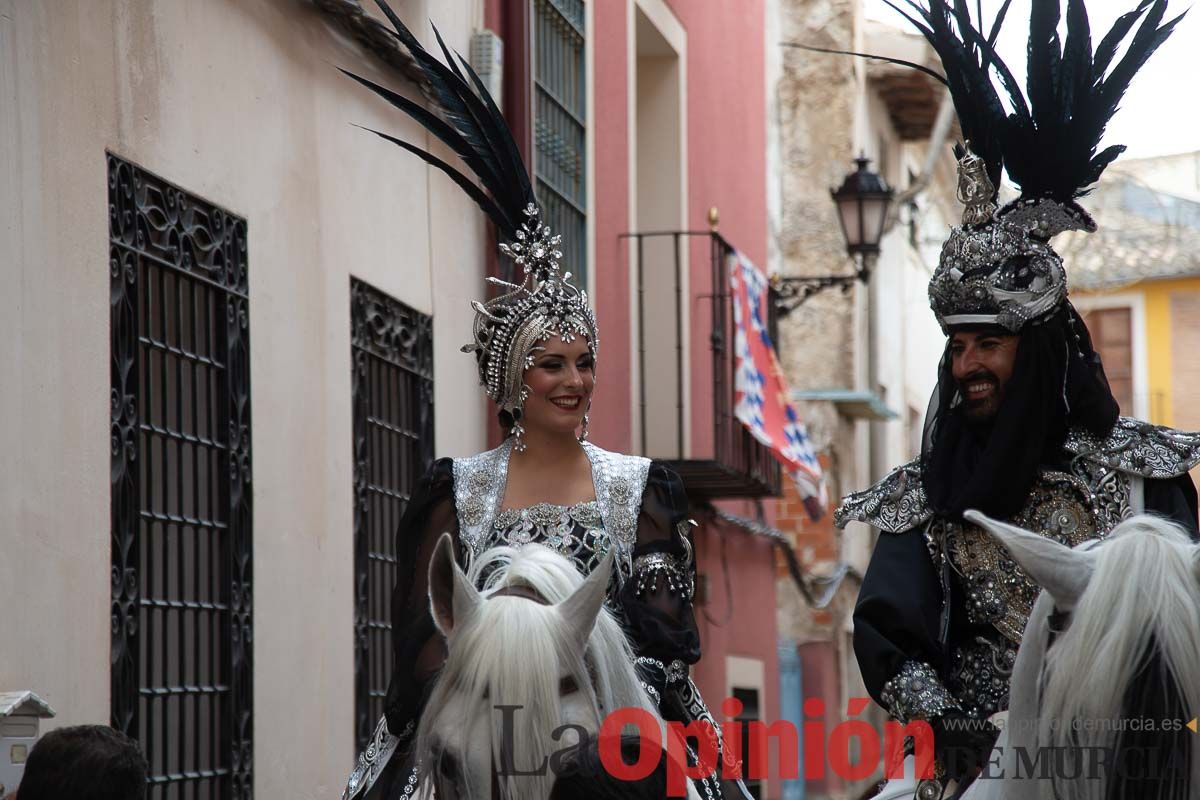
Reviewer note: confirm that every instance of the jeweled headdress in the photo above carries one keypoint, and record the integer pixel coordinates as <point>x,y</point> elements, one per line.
<point>998,267</point>
<point>508,327</point>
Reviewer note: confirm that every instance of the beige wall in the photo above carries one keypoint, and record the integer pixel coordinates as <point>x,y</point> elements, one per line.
<point>237,101</point>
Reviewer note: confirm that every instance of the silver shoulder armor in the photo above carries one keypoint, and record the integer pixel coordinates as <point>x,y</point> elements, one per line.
<point>1139,448</point>
<point>895,504</point>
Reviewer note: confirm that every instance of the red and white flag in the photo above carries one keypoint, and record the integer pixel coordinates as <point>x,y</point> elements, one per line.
<point>761,398</point>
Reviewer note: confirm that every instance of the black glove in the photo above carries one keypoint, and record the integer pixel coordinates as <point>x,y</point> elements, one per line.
<point>962,744</point>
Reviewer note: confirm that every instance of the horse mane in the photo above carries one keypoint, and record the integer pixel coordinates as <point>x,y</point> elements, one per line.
<point>554,577</point>
<point>1131,650</point>
<point>513,652</point>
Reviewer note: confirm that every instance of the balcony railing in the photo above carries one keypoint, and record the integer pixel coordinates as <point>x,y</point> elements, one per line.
<point>676,320</point>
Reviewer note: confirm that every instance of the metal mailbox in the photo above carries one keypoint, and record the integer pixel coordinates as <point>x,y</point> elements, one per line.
<point>21,715</point>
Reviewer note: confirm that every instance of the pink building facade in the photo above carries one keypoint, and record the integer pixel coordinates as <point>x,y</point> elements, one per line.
<point>675,127</point>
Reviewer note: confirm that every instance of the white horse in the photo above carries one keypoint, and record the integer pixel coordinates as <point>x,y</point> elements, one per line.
<point>1108,672</point>
<point>536,640</point>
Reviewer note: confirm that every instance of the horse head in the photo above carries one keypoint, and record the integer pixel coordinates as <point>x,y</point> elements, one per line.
<point>1109,665</point>
<point>533,661</point>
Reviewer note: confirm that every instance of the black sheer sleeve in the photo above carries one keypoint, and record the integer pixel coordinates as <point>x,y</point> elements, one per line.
<point>417,649</point>
<point>657,599</point>
<point>896,636</point>
<point>1175,499</point>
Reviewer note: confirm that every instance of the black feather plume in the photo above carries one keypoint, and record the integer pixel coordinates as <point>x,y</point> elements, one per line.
<point>465,118</point>
<point>1048,141</point>
<point>898,61</point>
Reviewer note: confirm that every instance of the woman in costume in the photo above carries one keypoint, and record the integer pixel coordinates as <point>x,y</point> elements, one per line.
<point>535,345</point>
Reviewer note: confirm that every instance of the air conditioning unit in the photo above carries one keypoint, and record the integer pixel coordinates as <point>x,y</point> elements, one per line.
<point>487,59</point>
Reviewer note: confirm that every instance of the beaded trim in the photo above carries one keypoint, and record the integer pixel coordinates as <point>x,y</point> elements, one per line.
<point>620,482</point>
<point>1061,507</point>
<point>479,482</point>
<point>374,758</point>
<point>1137,447</point>
<point>652,567</point>
<point>575,532</point>
<point>894,505</point>
<point>916,692</point>
<point>661,674</point>
<point>981,674</point>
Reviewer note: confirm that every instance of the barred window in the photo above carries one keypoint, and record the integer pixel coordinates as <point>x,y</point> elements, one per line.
<point>392,350</point>
<point>181,504</point>
<point>560,126</point>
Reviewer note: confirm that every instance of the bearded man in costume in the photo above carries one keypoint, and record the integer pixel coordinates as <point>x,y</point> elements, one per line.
<point>1022,424</point>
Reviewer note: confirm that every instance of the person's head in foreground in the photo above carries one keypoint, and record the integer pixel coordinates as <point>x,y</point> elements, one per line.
<point>84,762</point>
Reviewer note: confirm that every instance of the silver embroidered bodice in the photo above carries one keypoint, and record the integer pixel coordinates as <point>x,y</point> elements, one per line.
<point>575,531</point>
<point>583,532</point>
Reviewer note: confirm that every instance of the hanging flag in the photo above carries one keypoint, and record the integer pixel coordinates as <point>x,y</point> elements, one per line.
<point>761,398</point>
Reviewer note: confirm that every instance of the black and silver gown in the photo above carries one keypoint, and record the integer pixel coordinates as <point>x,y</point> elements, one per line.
<point>640,510</point>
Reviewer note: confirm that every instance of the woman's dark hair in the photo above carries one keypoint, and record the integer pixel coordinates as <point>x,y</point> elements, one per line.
<point>84,762</point>
<point>507,420</point>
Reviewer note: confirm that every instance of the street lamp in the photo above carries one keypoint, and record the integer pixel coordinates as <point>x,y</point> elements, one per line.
<point>862,205</point>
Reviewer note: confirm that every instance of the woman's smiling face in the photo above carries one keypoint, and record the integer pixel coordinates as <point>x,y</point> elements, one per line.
<point>560,383</point>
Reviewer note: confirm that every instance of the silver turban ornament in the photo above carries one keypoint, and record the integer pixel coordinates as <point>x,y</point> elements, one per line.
<point>998,267</point>
<point>509,327</point>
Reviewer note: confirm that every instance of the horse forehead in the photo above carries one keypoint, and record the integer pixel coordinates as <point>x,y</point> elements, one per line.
<point>524,592</point>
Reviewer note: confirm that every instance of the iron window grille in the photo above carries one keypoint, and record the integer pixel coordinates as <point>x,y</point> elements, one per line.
<point>181,496</point>
<point>560,126</point>
<point>392,351</point>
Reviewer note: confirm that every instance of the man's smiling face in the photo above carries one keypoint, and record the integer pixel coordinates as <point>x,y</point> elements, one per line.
<point>981,362</point>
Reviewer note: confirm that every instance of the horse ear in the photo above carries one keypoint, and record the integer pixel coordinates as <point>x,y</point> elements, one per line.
<point>582,607</point>
<point>1060,570</point>
<point>452,598</point>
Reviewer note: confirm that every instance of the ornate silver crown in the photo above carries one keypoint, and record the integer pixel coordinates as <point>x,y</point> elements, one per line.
<point>509,327</point>
<point>998,267</point>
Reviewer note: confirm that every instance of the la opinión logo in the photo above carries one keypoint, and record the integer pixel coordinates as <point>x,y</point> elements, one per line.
<point>691,749</point>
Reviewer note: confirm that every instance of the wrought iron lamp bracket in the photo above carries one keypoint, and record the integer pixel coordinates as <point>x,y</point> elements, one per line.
<point>791,291</point>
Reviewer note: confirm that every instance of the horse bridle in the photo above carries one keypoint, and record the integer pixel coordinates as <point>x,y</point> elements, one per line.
<point>1056,623</point>
<point>520,591</point>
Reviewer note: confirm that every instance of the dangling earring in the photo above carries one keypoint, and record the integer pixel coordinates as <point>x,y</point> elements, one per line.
<point>518,431</point>
<point>583,433</point>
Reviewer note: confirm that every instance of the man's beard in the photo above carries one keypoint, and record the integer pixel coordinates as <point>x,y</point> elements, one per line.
<point>982,411</point>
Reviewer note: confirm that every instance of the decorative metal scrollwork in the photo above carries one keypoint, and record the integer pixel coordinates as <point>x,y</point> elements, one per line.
<point>181,497</point>
<point>392,384</point>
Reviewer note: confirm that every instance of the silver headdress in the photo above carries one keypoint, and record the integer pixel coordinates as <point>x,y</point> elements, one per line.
<point>998,267</point>
<point>509,327</point>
